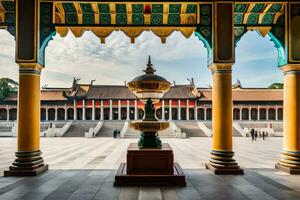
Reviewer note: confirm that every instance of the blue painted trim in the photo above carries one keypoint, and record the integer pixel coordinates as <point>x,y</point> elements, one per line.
<point>282,52</point>
<point>42,50</point>
<point>207,46</point>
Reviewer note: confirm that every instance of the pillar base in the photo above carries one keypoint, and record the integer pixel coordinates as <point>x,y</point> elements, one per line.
<point>27,164</point>
<point>222,163</point>
<point>289,162</point>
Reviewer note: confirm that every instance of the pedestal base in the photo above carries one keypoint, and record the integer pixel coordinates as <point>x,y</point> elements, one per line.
<point>27,164</point>
<point>176,179</point>
<point>33,172</point>
<point>222,163</point>
<point>289,170</point>
<point>151,167</point>
<point>224,171</point>
<point>289,162</point>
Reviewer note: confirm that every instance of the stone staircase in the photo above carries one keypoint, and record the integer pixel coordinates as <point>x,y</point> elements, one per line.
<point>235,132</point>
<point>78,129</point>
<point>108,127</point>
<point>191,129</point>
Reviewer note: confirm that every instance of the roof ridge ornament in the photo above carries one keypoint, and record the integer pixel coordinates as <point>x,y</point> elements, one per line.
<point>149,69</point>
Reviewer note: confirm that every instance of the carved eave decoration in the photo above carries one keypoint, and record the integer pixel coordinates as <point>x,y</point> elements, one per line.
<point>131,32</point>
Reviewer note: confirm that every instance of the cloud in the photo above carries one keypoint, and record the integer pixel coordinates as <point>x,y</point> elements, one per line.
<point>118,60</point>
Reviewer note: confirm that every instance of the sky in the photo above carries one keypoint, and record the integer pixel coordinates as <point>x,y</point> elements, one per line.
<point>118,60</point>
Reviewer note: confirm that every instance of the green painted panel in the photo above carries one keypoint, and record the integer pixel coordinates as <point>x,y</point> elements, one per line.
<point>103,8</point>
<point>88,19</point>
<point>137,8</point>
<point>10,17</point>
<point>86,8</point>
<point>238,19</point>
<point>174,19</point>
<point>268,19</point>
<point>191,8</point>
<point>205,20</point>
<point>275,8</point>
<point>258,8</point>
<point>137,19</point>
<point>205,31</point>
<point>121,8</point>
<point>205,10</point>
<point>157,8</point>
<point>121,19</point>
<point>280,20</point>
<point>156,19</point>
<point>71,18</point>
<point>174,8</point>
<point>105,19</point>
<point>240,8</point>
<point>69,7</point>
<point>252,19</point>
<point>46,8</point>
<point>45,18</point>
<point>8,5</point>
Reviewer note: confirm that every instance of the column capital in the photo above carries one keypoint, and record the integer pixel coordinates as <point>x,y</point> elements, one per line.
<point>30,68</point>
<point>221,67</point>
<point>290,69</point>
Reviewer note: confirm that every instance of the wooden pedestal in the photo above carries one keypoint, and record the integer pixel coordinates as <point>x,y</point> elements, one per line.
<point>150,167</point>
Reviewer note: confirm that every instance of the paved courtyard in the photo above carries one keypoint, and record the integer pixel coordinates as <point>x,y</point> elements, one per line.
<point>83,168</point>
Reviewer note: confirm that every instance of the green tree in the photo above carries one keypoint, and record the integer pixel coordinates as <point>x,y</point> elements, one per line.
<point>7,86</point>
<point>276,86</point>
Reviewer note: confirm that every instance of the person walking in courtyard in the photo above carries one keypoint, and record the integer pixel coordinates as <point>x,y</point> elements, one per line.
<point>252,134</point>
<point>263,135</point>
<point>255,135</point>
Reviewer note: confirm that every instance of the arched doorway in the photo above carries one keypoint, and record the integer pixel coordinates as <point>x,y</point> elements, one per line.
<point>254,114</point>
<point>200,114</point>
<point>245,114</point>
<point>88,113</point>
<point>272,114</point>
<point>140,113</point>
<point>131,113</point>
<point>236,114</point>
<point>192,113</point>
<point>3,114</point>
<point>60,114</point>
<point>262,114</point>
<point>51,114</point>
<point>13,114</point>
<point>97,114</point>
<point>183,113</point>
<point>43,114</point>
<point>115,113</point>
<point>70,114</point>
<point>280,113</point>
<point>79,113</point>
<point>167,113</point>
<point>123,113</point>
<point>209,114</point>
<point>106,113</point>
<point>174,113</point>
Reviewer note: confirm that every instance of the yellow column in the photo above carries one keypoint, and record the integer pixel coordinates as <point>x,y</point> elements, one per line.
<point>221,161</point>
<point>290,158</point>
<point>29,161</point>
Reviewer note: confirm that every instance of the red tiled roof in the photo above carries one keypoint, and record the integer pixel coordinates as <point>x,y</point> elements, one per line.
<point>248,94</point>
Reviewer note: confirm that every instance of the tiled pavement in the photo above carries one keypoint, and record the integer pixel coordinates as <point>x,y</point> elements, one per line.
<point>83,168</point>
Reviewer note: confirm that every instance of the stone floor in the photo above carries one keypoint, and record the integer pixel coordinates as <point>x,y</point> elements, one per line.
<point>83,168</point>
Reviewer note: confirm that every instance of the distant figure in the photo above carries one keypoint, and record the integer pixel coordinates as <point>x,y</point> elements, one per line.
<point>255,135</point>
<point>263,135</point>
<point>115,133</point>
<point>252,134</point>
